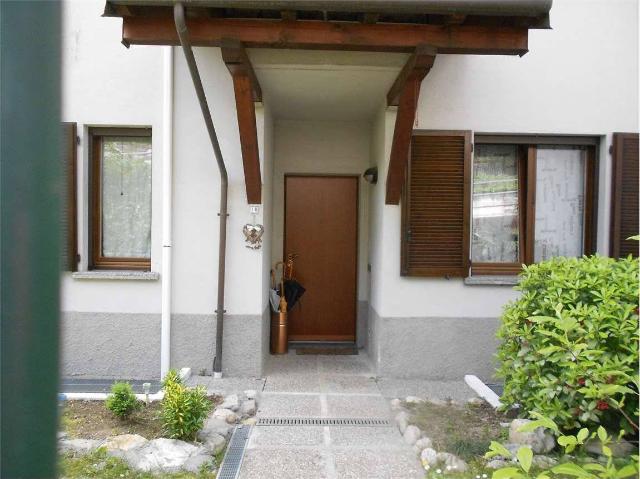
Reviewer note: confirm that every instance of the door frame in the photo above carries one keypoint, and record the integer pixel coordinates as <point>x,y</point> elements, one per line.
<point>355,177</point>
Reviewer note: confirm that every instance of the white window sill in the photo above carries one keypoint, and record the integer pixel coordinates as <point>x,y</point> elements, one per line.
<point>492,280</point>
<point>117,275</point>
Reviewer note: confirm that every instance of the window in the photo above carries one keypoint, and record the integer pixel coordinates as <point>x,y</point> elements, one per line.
<point>120,198</point>
<point>532,200</point>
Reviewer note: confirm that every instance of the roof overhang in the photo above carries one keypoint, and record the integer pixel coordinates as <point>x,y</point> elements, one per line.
<point>423,28</point>
<point>452,26</point>
<point>523,13</point>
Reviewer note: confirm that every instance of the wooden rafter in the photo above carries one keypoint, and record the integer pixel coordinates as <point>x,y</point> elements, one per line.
<point>238,63</point>
<point>247,90</point>
<point>451,39</point>
<point>405,93</point>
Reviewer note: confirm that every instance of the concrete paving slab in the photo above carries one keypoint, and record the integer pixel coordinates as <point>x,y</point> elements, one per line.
<point>400,388</point>
<point>369,464</point>
<point>225,386</point>
<point>286,436</point>
<point>289,405</point>
<point>357,406</point>
<point>352,365</point>
<point>340,383</point>
<point>283,464</point>
<point>371,437</point>
<point>291,363</point>
<point>293,383</point>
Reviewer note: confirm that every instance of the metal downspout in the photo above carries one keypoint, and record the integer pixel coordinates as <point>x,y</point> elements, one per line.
<point>183,34</point>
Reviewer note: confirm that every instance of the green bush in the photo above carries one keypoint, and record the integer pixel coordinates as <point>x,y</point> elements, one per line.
<point>172,377</point>
<point>570,343</point>
<point>183,409</point>
<point>122,402</point>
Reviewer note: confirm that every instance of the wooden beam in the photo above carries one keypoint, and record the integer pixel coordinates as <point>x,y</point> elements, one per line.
<point>455,19</point>
<point>289,15</point>
<point>405,92</point>
<point>417,66</point>
<point>402,140</point>
<point>370,18</point>
<point>238,63</point>
<point>248,137</point>
<point>303,34</point>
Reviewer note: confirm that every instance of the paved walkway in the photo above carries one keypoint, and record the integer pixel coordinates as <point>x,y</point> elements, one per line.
<point>330,387</point>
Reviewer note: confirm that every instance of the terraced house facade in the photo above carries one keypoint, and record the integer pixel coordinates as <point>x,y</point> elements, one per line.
<point>408,155</point>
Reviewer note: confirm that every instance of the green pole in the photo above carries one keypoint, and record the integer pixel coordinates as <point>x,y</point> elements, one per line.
<point>30,189</point>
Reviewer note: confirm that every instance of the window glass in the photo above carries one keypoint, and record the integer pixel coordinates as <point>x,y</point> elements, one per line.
<point>559,202</point>
<point>495,204</point>
<point>126,197</point>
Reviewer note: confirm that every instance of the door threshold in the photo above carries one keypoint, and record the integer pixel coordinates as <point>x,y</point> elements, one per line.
<point>316,344</point>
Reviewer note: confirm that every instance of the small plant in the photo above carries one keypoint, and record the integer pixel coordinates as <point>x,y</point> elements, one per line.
<point>588,470</point>
<point>172,377</point>
<point>570,343</point>
<point>122,402</point>
<point>183,409</point>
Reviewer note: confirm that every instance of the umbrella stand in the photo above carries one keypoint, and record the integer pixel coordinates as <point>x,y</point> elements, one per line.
<point>279,337</point>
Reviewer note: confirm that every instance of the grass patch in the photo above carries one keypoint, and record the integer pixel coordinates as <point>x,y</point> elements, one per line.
<point>92,420</point>
<point>99,464</point>
<point>465,431</point>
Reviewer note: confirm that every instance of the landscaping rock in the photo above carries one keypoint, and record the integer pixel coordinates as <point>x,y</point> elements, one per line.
<point>124,442</point>
<point>226,414</point>
<point>396,404</point>
<point>412,434</point>
<point>215,443</point>
<point>540,440</point>
<point>544,462</point>
<point>248,408</point>
<point>214,425</point>
<point>165,455</point>
<point>497,464</point>
<point>428,457</point>
<point>251,394</point>
<point>80,446</point>
<point>194,464</point>
<point>402,420</point>
<point>230,402</point>
<point>475,401</point>
<point>620,448</point>
<point>437,402</point>
<point>250,421</point>
<point>413,400</point>
<point>452,462</point>
<point>423,443</point>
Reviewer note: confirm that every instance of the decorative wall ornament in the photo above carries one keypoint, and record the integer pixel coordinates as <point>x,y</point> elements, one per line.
<point>253,235</point>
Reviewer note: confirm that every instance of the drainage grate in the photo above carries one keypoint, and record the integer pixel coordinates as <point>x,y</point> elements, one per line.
<point>232,461</point>
<point>321,421</point>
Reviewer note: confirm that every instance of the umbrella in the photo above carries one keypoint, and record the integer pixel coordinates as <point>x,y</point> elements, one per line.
<point>274,297</point>
<point>293,291</point>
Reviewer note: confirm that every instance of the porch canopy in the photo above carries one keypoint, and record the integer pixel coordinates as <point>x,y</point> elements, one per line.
<point>422,28</point>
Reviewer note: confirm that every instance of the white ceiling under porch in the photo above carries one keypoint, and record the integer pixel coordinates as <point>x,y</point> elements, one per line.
<point>321,85</point>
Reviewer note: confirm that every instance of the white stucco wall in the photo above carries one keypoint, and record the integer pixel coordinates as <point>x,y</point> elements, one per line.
<point>104,84</point>
<point>581,77</point>
<point>322,147</point>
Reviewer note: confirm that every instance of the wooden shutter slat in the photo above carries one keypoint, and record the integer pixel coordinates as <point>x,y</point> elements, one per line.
<point>435,205</point>
<point>624,204</point>
<point>68,216</point>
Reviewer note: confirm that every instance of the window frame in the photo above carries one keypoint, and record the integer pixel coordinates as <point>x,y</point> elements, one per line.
<point>527,155</point>
<point>96,260</point>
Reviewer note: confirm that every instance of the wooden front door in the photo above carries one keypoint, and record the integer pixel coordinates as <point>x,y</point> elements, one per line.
<point>321,228</point>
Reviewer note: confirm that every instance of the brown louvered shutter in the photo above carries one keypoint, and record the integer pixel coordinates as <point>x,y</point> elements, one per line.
<point>624,204</point>
<point>435,205</point>
<point>68,216</point>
